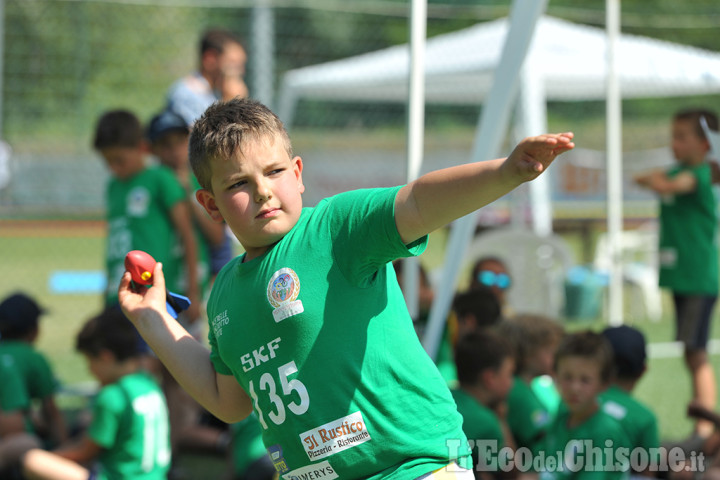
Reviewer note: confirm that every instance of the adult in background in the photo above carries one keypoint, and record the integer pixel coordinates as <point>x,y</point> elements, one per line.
<point>219,77</point>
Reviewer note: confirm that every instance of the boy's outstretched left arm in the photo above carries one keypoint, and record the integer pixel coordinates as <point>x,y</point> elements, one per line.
<point>439,197</point>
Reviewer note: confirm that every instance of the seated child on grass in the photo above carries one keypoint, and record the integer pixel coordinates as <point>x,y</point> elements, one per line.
<point>485,368</point>
<point>128,436</point>
<point>638,420</point>
<point>535,340</point>
<point>588,440</point>
<point>19,329</point>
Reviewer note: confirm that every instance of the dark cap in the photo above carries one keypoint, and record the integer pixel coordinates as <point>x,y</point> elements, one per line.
<point>628,346</point>
<point>165,122</point>
<point>18,315</point>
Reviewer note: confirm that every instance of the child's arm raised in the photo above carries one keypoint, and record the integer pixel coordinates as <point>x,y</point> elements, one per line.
<point>439,197</point>
<point>186,358</point>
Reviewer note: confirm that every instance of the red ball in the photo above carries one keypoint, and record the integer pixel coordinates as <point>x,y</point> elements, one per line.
<point>141,266</point>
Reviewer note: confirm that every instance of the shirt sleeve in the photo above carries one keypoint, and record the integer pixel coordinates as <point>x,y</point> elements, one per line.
<point>171,191</point>
<point>362,224</point>
<point>42,383</point>
<point>13,394</point>
<point>110,404</point>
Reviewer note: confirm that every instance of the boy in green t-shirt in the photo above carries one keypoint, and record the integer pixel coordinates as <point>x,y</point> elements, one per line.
<point>590,443</point>
<point>534,339</point>
<point>14,405</point>
<point>169,136</point>
<point>688,252</point>
<point>639,422</point>
<point>128,436</point>
<point>19,329</point>
<point>485,366</point>
<point>147,209</point>
<point>309,327</point>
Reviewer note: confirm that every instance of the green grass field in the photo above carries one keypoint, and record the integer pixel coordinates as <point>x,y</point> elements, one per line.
<point>32,253</point>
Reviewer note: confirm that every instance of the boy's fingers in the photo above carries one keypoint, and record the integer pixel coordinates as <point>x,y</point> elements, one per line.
<point>124,283</point>
<point>158,277</point>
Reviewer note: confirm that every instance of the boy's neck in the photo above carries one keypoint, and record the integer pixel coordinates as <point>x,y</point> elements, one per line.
<point>526,377</point>
<point>126,367</point>
<point>694,162</point>
<point>625,384</point>
<point>581,414</point>
<point>482,395</point>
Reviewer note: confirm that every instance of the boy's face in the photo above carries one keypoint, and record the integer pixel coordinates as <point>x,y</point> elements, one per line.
<point>688,148</point>
<point>124,162</point>
<point>172,149</point>
<point>542,358</point>
<point>498,288</point>
<point>579,382</point>
<point>500,381</point>
<point>102,367</point>
<point>258,193</point>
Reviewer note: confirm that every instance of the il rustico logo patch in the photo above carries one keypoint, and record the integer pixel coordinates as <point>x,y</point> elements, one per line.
<point>282,292</point>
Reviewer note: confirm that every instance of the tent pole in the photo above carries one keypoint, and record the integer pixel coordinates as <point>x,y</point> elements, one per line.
<point>263,55</point>
<point>416,134</point>
<point>614,164</point>
<point>533,121</point>
<point>491,130</point>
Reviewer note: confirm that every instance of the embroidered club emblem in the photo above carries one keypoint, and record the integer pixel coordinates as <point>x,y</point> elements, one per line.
<point>282,292</point>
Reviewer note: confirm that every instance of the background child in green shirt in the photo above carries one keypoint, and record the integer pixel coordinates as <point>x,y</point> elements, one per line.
<point>688,252</point>
<point>128,436</point>
<point>147,209</point>
<point>19,329</point>
<point>583,368</point>
<point>637,419</point>
<point>485,366</point>
<point>534,339</point>
<point>14,405</point>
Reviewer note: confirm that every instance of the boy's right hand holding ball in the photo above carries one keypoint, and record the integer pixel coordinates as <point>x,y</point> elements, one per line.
<point>138,301</point>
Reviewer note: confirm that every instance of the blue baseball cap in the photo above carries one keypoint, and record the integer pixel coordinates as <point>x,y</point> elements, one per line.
<point>628,346</point>
<point>164,122</point>
<point>19,314</point>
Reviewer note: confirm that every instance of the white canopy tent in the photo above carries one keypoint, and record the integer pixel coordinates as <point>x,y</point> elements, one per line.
<point>565,62</point>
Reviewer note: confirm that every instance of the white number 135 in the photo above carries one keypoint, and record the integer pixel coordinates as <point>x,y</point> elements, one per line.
<point>267,384</point>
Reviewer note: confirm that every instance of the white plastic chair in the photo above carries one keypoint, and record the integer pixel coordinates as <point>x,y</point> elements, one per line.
<point>713,137</point>
<point>537,266</point>
<point>638,251</point>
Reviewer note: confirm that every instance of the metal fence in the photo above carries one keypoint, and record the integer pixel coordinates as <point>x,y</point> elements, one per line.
<point>65,62</point>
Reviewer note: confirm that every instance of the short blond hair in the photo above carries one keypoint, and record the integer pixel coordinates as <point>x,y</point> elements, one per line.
<point>225,128</point>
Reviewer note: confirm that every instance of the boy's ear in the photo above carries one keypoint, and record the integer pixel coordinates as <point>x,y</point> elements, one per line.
<point>207,200</point>
<point>146,147</point>
<point>298,168</point>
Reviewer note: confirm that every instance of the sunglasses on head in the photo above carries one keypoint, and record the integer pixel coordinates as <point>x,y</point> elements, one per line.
<point>492,279</point>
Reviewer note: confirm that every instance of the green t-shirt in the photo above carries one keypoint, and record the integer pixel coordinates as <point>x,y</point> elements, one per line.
<point>33,367</point>
<point>247,444</point>
<point>639,421</point>
<point>139,218</point>
<point>13,395</point>
<point>589,451</point>
<point>688,254</point>
<point>480,424</point>
<point>316,330</point>
<point>528,417</point>
<point>130,422</point>
<point>546,391</point>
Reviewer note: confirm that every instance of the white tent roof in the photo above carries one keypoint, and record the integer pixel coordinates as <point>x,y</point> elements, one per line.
<point>569,58</point>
